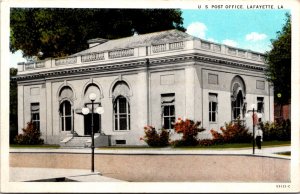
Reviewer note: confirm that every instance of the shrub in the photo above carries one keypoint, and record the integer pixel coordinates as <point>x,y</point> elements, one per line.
<point>189,130</point>
<point>279,130</point>
<point>156,139</point>
<point>234,132</point>
<point>30,136</point>
<point>207,142</point>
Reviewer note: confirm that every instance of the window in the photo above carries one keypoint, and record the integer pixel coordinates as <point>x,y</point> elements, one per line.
<point>168,110</point>
<point>238,106</point>
<point>66,116</point>
<point>35,115</point>
<point>121,114</point>
<point>260,104</point>
<point>213,107</point>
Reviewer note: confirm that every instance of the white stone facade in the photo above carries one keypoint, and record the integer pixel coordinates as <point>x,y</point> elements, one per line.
<point>143,80</point>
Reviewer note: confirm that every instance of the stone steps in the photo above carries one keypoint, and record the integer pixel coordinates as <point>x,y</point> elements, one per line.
<point>77,142</point>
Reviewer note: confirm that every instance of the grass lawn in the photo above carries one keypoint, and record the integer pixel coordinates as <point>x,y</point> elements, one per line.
<point>242,145</point>
<point>46,146</point>
<point>284,153</point>
<point>234,145</point>
<point>224,146</point>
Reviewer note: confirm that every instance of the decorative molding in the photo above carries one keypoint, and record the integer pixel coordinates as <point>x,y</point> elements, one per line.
<point>141,64</point>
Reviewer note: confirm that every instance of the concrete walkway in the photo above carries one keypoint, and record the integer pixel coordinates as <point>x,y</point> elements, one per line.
<point>21,174</point>
<point>265,151</point>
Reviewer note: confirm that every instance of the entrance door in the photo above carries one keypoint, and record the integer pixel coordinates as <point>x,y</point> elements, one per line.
<point>88,123</point>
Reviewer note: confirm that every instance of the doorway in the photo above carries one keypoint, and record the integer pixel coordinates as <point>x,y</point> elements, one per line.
<point>88,123</point>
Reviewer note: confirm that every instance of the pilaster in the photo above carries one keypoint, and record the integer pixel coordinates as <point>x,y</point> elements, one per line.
<point>21,123</point>
<point>142,93</point>
<point>190,92</point>
<point>49,127</point>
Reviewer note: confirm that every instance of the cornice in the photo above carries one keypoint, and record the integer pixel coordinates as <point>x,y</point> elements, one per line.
<point>208,59</point>
<point>83,70</point>
<point>152,63</point>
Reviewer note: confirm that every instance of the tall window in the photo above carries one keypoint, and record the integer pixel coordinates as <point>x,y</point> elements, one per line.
<point>260,104</point>
<point>213,107</point>
<point>168,110</point>
<point>66,116</point>
<point>35,115</point>
<point>122,114</point>
<point>238,106</point>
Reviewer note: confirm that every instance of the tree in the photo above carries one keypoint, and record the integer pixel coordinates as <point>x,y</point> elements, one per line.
<point>13,105</point>
<point>53,32</point>
<point>279,64</point>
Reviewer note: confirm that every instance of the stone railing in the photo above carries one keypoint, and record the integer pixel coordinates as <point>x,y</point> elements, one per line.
<point>40,64</point>
<point>176,45</point>
<point>29,66</point>
<point>66,61</point>
<point>121,53</point>
<point>159,48</point>
<point>216,47</point>
<point>169,46</point>
<point>92,57</point>
<point>143,51</point>
<point>206,45</point>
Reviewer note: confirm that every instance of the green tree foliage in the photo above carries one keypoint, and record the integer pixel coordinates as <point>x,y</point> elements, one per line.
<point>278,130</point>
<point>60,32</point>
<point>13,105</point>
<point>279,63</point>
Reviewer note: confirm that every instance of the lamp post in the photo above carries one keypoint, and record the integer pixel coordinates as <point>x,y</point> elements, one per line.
<point>253,124</point>
<point>86,111</point>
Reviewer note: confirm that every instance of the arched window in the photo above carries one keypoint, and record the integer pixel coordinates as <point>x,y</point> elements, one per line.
<point>238,96</point>
<point>121,114</point>
<point>121,106</point>
<point>66,116</point>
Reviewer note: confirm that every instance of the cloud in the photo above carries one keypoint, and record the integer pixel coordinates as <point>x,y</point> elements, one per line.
<point>229,42</point>
<point>197,29</point>
<point>212,40</point>
<point>254,36</point>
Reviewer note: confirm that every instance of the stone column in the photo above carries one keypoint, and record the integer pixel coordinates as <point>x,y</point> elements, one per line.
<point>190,92</point>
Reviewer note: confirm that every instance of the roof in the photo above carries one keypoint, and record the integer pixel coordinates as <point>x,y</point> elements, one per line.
<point>139,41</point>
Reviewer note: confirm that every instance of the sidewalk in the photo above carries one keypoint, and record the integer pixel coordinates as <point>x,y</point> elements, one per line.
<point>20,174</point>
<point>265,151</point>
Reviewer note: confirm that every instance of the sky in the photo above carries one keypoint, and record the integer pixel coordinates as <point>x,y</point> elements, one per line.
<point>238,28</point>
<point>246,29</point>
